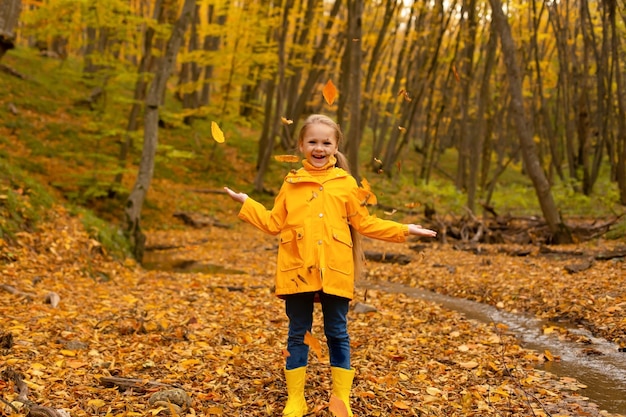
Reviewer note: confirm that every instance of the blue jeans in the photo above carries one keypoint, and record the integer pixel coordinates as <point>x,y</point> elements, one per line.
<point>299,309</point>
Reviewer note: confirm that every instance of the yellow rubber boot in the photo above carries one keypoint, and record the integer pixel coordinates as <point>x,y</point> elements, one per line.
<point>296,404</point>
<point>342,385</point>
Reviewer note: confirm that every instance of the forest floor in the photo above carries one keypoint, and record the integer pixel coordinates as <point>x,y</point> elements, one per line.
<point>89,335</point>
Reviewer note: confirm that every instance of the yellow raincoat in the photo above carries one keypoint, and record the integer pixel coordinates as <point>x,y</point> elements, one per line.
<point>312,213</point>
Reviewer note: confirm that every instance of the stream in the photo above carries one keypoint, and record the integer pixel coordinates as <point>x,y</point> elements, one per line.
<point>603,372</point>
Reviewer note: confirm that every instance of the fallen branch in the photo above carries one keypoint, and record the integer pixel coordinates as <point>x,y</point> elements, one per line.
<point>11,71</point>
<point>12,290</point>
<point>137,385</point>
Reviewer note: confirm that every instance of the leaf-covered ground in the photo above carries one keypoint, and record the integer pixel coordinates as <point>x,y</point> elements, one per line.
<point>221,336</point>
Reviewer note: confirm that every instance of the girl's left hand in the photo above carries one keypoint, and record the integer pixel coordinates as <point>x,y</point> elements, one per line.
<point>416,229</point>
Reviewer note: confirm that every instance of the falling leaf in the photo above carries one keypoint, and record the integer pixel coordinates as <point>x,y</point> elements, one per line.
<point>390,213</point>
<point>412,205</point>
<point>286,121</point>
<point>287,158</point>
<point>456,74</point>
<point>405,95</point>
<point>378,161</point>
<point>338,407</point>
<point>365,194</point>
<point>402,129</point>
<point>314,344</point>
<point>217,133</point>
<point>329,92</point>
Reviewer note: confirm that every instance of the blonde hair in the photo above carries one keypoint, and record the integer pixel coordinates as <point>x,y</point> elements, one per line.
<point>342,162</point>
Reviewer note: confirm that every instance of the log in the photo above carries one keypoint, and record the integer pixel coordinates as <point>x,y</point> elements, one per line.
<point>198,220</point>
<point>395,258</point>
<point>583,266</point>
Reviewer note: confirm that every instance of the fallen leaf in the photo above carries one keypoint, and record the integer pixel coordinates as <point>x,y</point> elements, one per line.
<point>402,405</point>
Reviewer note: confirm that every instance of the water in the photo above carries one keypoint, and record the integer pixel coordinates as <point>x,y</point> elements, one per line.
<point>603,371</point>
<point>155,261</point>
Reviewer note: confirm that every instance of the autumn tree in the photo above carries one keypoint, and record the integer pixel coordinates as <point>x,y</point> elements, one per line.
<point>153,102</point>
<point>9,15</point>
<point>524,130</point>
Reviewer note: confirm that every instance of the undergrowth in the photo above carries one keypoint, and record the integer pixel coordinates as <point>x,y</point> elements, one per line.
<point>55,150</point>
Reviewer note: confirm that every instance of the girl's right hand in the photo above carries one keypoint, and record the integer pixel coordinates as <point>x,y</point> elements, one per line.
<point>241,197</point>
<point>416,229</point>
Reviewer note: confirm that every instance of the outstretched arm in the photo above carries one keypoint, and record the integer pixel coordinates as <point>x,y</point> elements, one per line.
<point>416,229</point>
<point>241,197</point>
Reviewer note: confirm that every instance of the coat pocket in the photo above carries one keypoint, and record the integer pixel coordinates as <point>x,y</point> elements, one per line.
<point>291,249</point>
<point>340,257</point>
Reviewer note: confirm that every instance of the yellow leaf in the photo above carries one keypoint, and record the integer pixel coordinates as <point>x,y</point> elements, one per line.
<point>188,363</point>
<point>548,330</point>
<point>66,352</point>
<point>286,121</point>
<point>402,129</point>
<point>217,133</point>
<point>401,405</point>
<point>468,364</point>
<point>329,92</point>
<point>214,411</point>
<point>287,158</point>
<point>75,364</point>
<point>96,403</point>
<point>313,343</point>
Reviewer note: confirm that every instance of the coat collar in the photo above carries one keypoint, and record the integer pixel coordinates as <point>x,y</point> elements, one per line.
<point>302,175</point>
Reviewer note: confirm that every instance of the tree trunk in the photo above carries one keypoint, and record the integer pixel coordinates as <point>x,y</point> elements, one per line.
<point>551,214</point>
<point>145,65</point>
<point>620,145</point>
<point>353,137</point>
<point>274,118</point>
<point>9,16</point>
<point>316,68</point>
<point>190,70</point>
<point>137,196</point>
<point>477,141</point>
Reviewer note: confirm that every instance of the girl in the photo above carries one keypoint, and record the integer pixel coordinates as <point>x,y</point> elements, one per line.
<point>316,213</point>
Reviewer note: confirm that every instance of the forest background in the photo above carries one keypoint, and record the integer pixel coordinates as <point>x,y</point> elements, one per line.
<point>466,116</point>
<point>436,94</point>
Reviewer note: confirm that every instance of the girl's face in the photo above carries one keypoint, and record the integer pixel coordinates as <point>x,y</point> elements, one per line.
<point>318,144</point>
